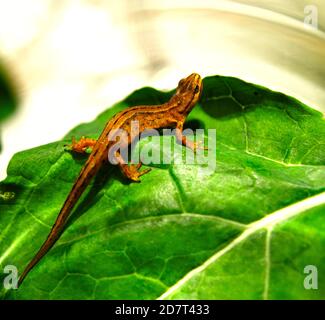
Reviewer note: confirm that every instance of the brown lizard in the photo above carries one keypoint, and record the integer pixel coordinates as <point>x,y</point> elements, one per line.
<point>171,114</point>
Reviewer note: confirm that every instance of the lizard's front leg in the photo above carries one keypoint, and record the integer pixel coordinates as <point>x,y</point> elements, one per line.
<point>83,145</point>
<point>130,171</point>
<point>183,139</point>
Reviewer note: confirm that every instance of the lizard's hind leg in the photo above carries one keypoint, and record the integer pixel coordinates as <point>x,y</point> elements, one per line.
<point>83,145</point>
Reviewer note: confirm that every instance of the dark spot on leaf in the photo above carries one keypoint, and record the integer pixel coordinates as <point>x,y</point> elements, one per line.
<point>223,108</point>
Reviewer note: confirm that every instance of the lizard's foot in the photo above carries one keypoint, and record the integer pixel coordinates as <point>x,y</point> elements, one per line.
<point>84,145</point>
<point>132,171</point>
<point>195,145</point>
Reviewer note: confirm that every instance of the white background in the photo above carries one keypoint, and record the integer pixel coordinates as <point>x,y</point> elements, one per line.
<point>72,59</point>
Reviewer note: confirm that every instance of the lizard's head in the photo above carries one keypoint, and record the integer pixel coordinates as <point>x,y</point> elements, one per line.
<point>191,84</point>
<point>189,90</point>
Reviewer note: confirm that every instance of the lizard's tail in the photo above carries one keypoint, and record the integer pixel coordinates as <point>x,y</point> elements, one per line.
<point>80,185</point>
<point>47,245</point>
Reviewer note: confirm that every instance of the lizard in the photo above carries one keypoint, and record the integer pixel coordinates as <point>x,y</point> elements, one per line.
<point>171,114</point>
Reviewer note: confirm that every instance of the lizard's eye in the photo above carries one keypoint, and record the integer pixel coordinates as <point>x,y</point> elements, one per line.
<point>181,82</point>
<point>196,90</point>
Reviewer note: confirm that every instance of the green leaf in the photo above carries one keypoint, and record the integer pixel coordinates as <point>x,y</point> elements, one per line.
<point>246,231</point>
<point>8,98</point>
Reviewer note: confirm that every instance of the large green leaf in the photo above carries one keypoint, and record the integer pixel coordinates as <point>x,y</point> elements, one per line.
<point>246,231</point>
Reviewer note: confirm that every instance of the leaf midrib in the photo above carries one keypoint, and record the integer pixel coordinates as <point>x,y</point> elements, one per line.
<point>268,223</point>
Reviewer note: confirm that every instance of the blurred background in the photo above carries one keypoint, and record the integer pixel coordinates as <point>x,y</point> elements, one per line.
<point>71,59</point>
